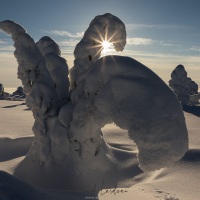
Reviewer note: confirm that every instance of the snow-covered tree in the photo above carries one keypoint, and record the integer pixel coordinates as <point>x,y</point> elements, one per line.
<point>2,95</point>
<point>1,88</point>
<point>19,91</point>
<point>69,117</point>
<point>182,85</point>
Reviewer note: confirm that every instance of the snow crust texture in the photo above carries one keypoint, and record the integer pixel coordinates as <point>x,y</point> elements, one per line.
<point>69,116</point>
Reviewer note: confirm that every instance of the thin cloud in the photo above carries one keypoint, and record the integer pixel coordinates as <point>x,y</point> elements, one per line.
<point>164,58</point>
<point>2,42</point>
<point>68,43</point>
<point>5,41</point>
<point>167,43</point>
<point>195,48</point>
<point>163,43</point>
<point>7,48</point>
<point>155,26</point>
<point>160,55</point>
<point>6,44</point>
<point>139,41</point>
<point>149,41</point>
<point>66,33</point>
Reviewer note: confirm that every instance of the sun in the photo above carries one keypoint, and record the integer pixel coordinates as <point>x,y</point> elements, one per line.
<point>106,45</point>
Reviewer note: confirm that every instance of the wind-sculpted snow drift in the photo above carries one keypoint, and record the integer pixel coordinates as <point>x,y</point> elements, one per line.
<point>103,90</point>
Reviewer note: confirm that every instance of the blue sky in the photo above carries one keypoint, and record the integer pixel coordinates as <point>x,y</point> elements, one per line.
<point>161,33</point>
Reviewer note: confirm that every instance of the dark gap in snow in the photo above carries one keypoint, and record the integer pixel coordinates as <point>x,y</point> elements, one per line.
<point>90,58</point>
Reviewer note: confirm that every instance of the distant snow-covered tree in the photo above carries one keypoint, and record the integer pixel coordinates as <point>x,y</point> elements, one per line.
<point>182,85</point>
<point>1,88</point>
<point>2,95</point>
<point>19,91</point>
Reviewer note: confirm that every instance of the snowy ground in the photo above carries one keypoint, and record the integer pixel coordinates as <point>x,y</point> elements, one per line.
<point>179,182</point>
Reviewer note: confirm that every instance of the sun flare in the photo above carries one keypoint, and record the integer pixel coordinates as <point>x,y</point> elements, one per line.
<point>106,45</point>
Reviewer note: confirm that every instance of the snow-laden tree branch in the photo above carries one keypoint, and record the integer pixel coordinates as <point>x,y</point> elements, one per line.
<point>102,28</point>
<point>42,96</point>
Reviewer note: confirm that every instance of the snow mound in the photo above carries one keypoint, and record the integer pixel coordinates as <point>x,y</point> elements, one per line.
<point>124,91</point>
